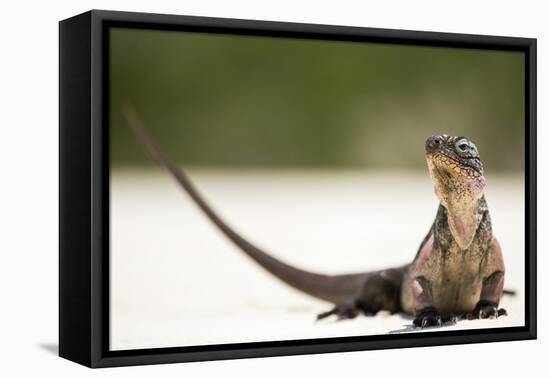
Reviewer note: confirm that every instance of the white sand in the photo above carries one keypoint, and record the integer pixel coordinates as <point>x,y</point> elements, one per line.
<point>176,281</point>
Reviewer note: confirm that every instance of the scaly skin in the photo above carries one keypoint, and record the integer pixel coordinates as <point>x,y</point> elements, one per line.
<point>458,270</point>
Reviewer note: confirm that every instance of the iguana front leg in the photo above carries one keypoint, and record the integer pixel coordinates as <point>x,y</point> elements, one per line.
<point>492,288</point>
<point>487,307</point>
<point>425,314</point>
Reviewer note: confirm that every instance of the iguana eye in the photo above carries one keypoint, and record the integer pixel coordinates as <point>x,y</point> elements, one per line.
<point>466,148</point>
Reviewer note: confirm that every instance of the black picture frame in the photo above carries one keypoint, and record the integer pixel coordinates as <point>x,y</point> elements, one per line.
<point>84,188</point>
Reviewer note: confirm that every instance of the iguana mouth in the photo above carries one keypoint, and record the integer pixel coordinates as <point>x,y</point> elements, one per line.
<point>450,163</point>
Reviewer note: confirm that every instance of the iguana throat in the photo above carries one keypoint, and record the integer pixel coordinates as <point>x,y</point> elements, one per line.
<point>457,176</point>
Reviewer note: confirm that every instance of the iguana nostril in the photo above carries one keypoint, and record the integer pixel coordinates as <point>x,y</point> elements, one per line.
<point>433,142</point>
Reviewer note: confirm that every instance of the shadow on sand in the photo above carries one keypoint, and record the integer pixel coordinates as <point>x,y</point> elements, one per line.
<point>52,348</point>
<point>410,328</point>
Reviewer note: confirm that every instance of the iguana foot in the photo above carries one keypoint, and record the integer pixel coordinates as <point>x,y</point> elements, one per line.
<point>427,317</point>
<point>342,311</point>
<point>485,310</point>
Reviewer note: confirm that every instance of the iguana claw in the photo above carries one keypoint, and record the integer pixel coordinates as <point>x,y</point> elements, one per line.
<point>428,317</point>
<point>485,310</point>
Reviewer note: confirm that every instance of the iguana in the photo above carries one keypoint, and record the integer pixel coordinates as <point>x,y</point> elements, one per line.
<point>458,270</point>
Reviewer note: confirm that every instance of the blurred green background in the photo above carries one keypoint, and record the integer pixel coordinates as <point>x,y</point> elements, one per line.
<point>240,101</point>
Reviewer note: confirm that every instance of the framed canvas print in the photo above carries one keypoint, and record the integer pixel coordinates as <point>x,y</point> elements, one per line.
<point>235,188</point>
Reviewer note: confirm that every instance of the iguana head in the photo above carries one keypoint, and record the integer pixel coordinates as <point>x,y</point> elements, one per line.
<point>457,176</point>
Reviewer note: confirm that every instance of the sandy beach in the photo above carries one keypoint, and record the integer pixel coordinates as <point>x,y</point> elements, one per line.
<point>176,281</point>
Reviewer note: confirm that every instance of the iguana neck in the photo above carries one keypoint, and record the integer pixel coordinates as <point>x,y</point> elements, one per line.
<point>464,223</point>
<point>462,199</point>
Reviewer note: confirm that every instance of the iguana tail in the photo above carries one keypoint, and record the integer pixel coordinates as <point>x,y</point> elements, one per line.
<point>335,289</point>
